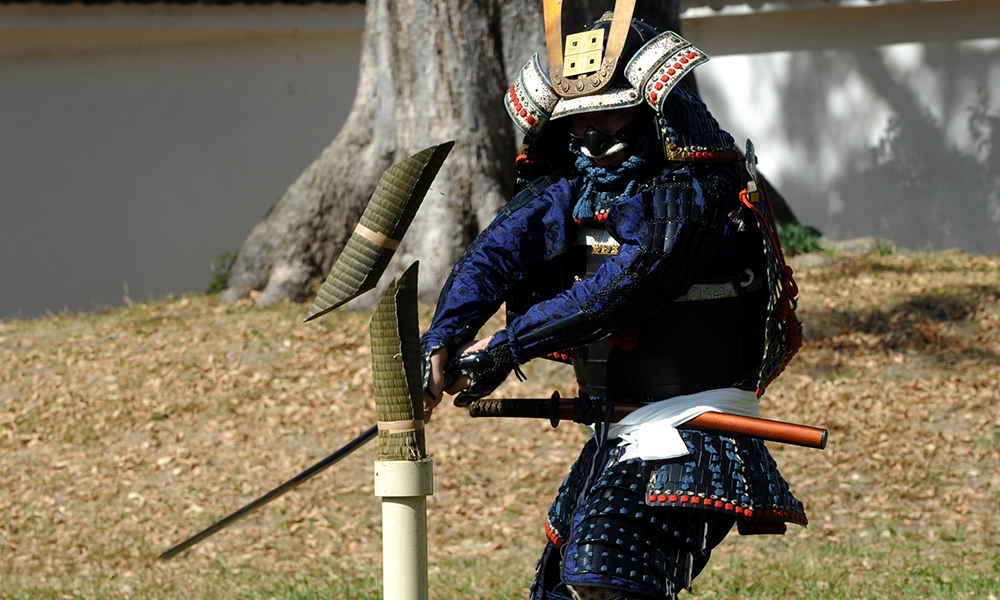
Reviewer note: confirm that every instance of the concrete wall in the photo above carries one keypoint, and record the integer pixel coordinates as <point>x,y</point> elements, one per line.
<point>876,120</point>
<point>137,144</point>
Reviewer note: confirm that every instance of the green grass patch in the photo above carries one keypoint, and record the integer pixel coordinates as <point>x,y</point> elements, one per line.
<point>798,239</point>
<point>852,567</point>
<point>124,432</point>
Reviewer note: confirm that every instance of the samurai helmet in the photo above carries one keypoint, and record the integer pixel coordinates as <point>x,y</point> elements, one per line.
<point>618,62</point>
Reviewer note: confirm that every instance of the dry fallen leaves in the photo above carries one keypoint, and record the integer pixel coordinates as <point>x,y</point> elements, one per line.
<point>126,431</point>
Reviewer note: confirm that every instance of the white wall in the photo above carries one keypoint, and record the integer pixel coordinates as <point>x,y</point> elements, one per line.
<point>882,121</point>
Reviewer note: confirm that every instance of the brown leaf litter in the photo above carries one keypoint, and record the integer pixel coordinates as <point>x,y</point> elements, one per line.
<point>124,432</point>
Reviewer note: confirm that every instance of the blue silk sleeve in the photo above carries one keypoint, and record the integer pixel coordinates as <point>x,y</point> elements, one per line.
<point>529,230</point>
<point>670,235</point>
<point>672,232</point>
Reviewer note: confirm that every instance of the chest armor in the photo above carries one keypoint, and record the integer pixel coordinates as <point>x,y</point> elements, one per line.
<point>710,337</point>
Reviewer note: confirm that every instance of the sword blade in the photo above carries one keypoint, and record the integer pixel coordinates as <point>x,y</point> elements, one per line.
<point>277,492</point>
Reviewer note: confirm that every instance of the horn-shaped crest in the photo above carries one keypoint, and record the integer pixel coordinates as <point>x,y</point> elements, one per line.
<point>582,70</point>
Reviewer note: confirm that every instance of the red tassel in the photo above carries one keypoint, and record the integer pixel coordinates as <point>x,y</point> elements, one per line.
<point>784,307</point>
<point>626,340</point>
<point>794,337</point>
<point>789,282</point>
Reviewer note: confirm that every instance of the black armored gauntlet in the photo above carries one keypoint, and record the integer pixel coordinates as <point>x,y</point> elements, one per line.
<point>486,368</point>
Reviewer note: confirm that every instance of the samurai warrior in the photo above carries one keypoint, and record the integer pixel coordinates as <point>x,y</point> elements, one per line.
<point>639,247</point>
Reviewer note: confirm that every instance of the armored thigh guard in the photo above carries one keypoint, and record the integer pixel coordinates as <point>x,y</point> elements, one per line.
<point>647,528</point>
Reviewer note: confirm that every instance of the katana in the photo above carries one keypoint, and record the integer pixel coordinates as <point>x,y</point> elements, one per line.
<point>274,494</point>
<point>555,409</point>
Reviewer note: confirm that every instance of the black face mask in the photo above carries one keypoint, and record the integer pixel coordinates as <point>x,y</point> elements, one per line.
<point>595,144</point>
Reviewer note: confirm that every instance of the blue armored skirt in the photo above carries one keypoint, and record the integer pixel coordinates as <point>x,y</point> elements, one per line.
<point>634,528</point>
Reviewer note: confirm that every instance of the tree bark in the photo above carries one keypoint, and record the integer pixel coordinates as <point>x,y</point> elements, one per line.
<point>430,71</point>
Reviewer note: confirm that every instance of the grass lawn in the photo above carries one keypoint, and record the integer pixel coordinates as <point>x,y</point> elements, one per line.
<point>124,432</point>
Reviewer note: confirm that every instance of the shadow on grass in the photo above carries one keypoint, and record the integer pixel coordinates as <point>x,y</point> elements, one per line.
<point>943,322</point>
<point>873,265</point>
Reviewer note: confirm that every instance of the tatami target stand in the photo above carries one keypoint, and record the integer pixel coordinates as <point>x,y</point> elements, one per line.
<point>403,474</point>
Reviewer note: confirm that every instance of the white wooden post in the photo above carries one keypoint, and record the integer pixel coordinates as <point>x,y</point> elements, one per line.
<point>404,487</point>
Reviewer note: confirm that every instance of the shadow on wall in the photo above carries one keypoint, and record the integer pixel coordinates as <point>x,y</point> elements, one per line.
<point>900,142</point>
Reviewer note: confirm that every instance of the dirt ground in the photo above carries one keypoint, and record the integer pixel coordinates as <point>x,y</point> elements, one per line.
<point>122,433</point>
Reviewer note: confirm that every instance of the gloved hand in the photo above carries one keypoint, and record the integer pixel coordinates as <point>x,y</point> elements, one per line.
<point>486,369</point>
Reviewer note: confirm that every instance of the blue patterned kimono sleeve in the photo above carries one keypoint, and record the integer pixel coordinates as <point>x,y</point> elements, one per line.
<point>528,231</point>
<point>669,235</point>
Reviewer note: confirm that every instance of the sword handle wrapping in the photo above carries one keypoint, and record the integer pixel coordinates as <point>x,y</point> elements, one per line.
<point>529,408</point>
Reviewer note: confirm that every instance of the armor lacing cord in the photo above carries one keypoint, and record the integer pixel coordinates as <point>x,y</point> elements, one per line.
<point>602,425</point>
<point>594,175</point>
<point>788,290</point>
<point>597,458</point>
<point>515,352</point>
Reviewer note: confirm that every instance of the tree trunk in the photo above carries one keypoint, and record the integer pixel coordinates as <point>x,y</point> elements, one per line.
<point>430,71</point>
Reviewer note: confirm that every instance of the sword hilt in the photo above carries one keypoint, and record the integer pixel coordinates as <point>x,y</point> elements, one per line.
<point>529,408</point>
